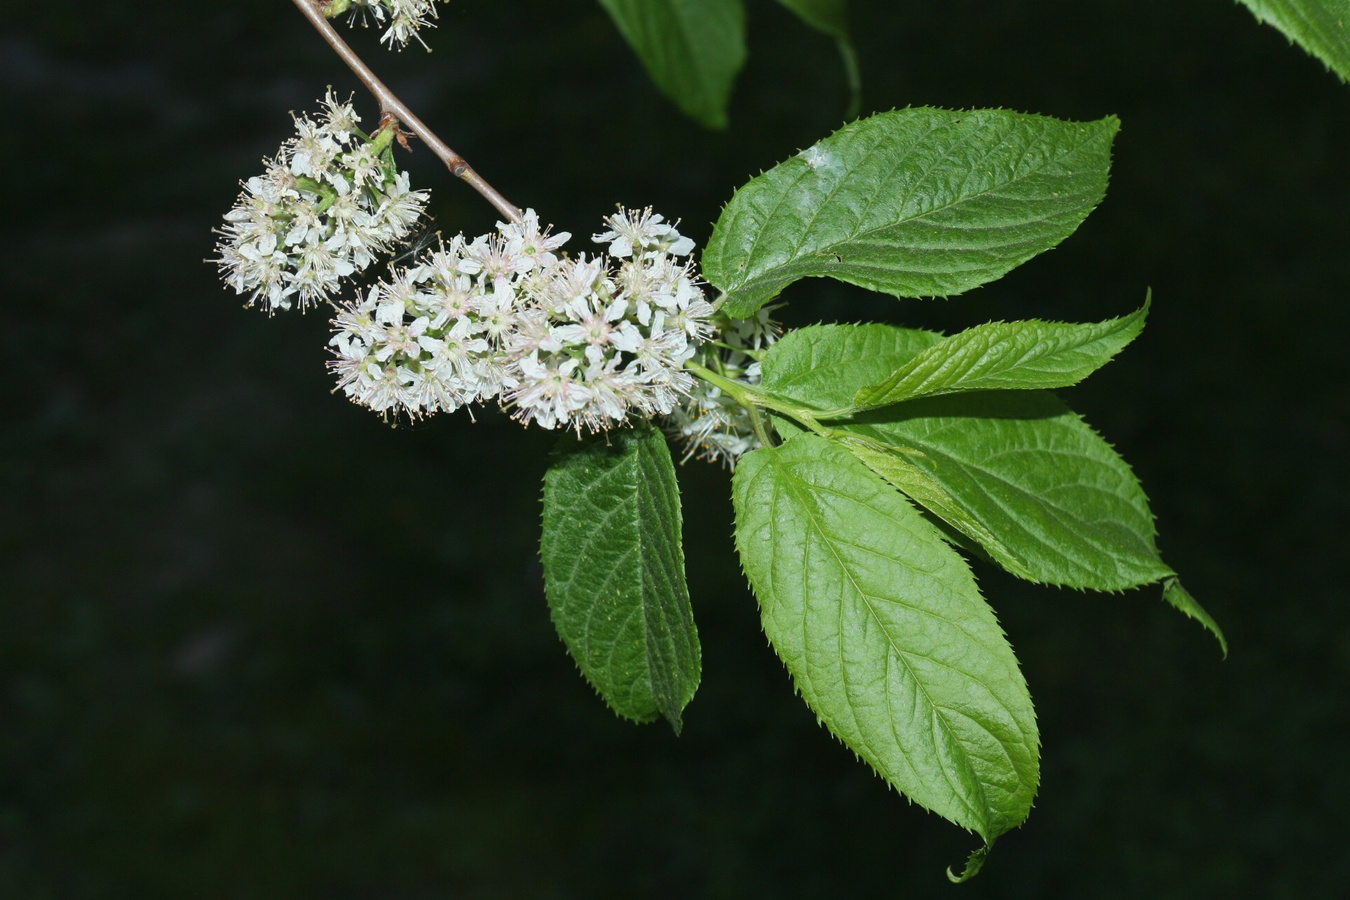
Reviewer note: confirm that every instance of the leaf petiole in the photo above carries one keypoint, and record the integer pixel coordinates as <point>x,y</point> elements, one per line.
<point>754,400</point>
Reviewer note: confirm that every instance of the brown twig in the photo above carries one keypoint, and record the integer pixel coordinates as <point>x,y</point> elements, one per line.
<point>391,105</point>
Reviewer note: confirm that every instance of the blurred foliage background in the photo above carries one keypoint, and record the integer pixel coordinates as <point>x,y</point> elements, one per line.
<point>254,643</point>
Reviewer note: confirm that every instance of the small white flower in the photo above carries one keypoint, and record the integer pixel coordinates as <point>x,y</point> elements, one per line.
<point>498,313</point>
<point>550,394</point>
<point>525,239</point>
<point>630,230</point>
<point>405,17</point>
<point>341,118</point>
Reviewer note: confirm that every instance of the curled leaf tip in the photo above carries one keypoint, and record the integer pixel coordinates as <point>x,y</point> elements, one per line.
<point>974,863</point>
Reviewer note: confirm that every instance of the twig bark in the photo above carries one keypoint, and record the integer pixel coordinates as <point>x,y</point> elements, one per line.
<point>391,105</point>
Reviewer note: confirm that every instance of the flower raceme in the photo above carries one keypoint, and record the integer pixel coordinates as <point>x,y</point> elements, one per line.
<point>329,203</point>
<point>579,343</point>
<point>582,342</point>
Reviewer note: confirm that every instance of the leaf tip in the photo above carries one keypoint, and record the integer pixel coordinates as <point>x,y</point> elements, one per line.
<point>1181,598</point>
<point>974,863</point>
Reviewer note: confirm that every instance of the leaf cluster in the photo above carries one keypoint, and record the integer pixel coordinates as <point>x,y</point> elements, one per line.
<point>893,452</point>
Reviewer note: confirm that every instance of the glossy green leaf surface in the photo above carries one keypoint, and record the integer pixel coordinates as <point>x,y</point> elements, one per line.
<point>1016,472</point>
<point>614,572</point>
<point>693,49</point>
<point>899,467</point>
<point>914,203</point>
<point>1320,27</point>
<point>885,634</point>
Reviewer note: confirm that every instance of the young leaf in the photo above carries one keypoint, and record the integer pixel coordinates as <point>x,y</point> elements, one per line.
<point>692,49</point>
<point>614,572</point>
<point>1318,26</point>
<point>914,202</point>
<point>885,633</point>
<point>1006,355</point>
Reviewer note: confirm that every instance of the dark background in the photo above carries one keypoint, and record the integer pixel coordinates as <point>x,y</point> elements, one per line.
<point>254,643</point>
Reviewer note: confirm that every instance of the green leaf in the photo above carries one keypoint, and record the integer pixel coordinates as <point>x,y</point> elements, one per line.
<point>831,17</point>
<point>1016,472</point>
<point>974,863</point>
<point>1038,491</point>
<point>1006,355</point>
<point>914,202</point>
<point>896,466</point>
<point>693,49</point>
<point>821,365</point>
<point>1318,26</point>
<point>885,633</point>
<point>1065,507</point>
<point>614,572</point>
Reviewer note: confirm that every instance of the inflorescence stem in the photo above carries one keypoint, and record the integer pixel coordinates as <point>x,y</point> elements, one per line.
<point>391,105</point>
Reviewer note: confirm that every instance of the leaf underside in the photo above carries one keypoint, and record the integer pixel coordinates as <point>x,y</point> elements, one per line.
<point>831,17</point>
<point>828,16</point>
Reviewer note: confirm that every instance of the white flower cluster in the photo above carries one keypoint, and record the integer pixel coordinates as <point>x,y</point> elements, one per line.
<point>579,343</point>
<point>404,16</point>
<point>329,203</point>
<point>713,425</point>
